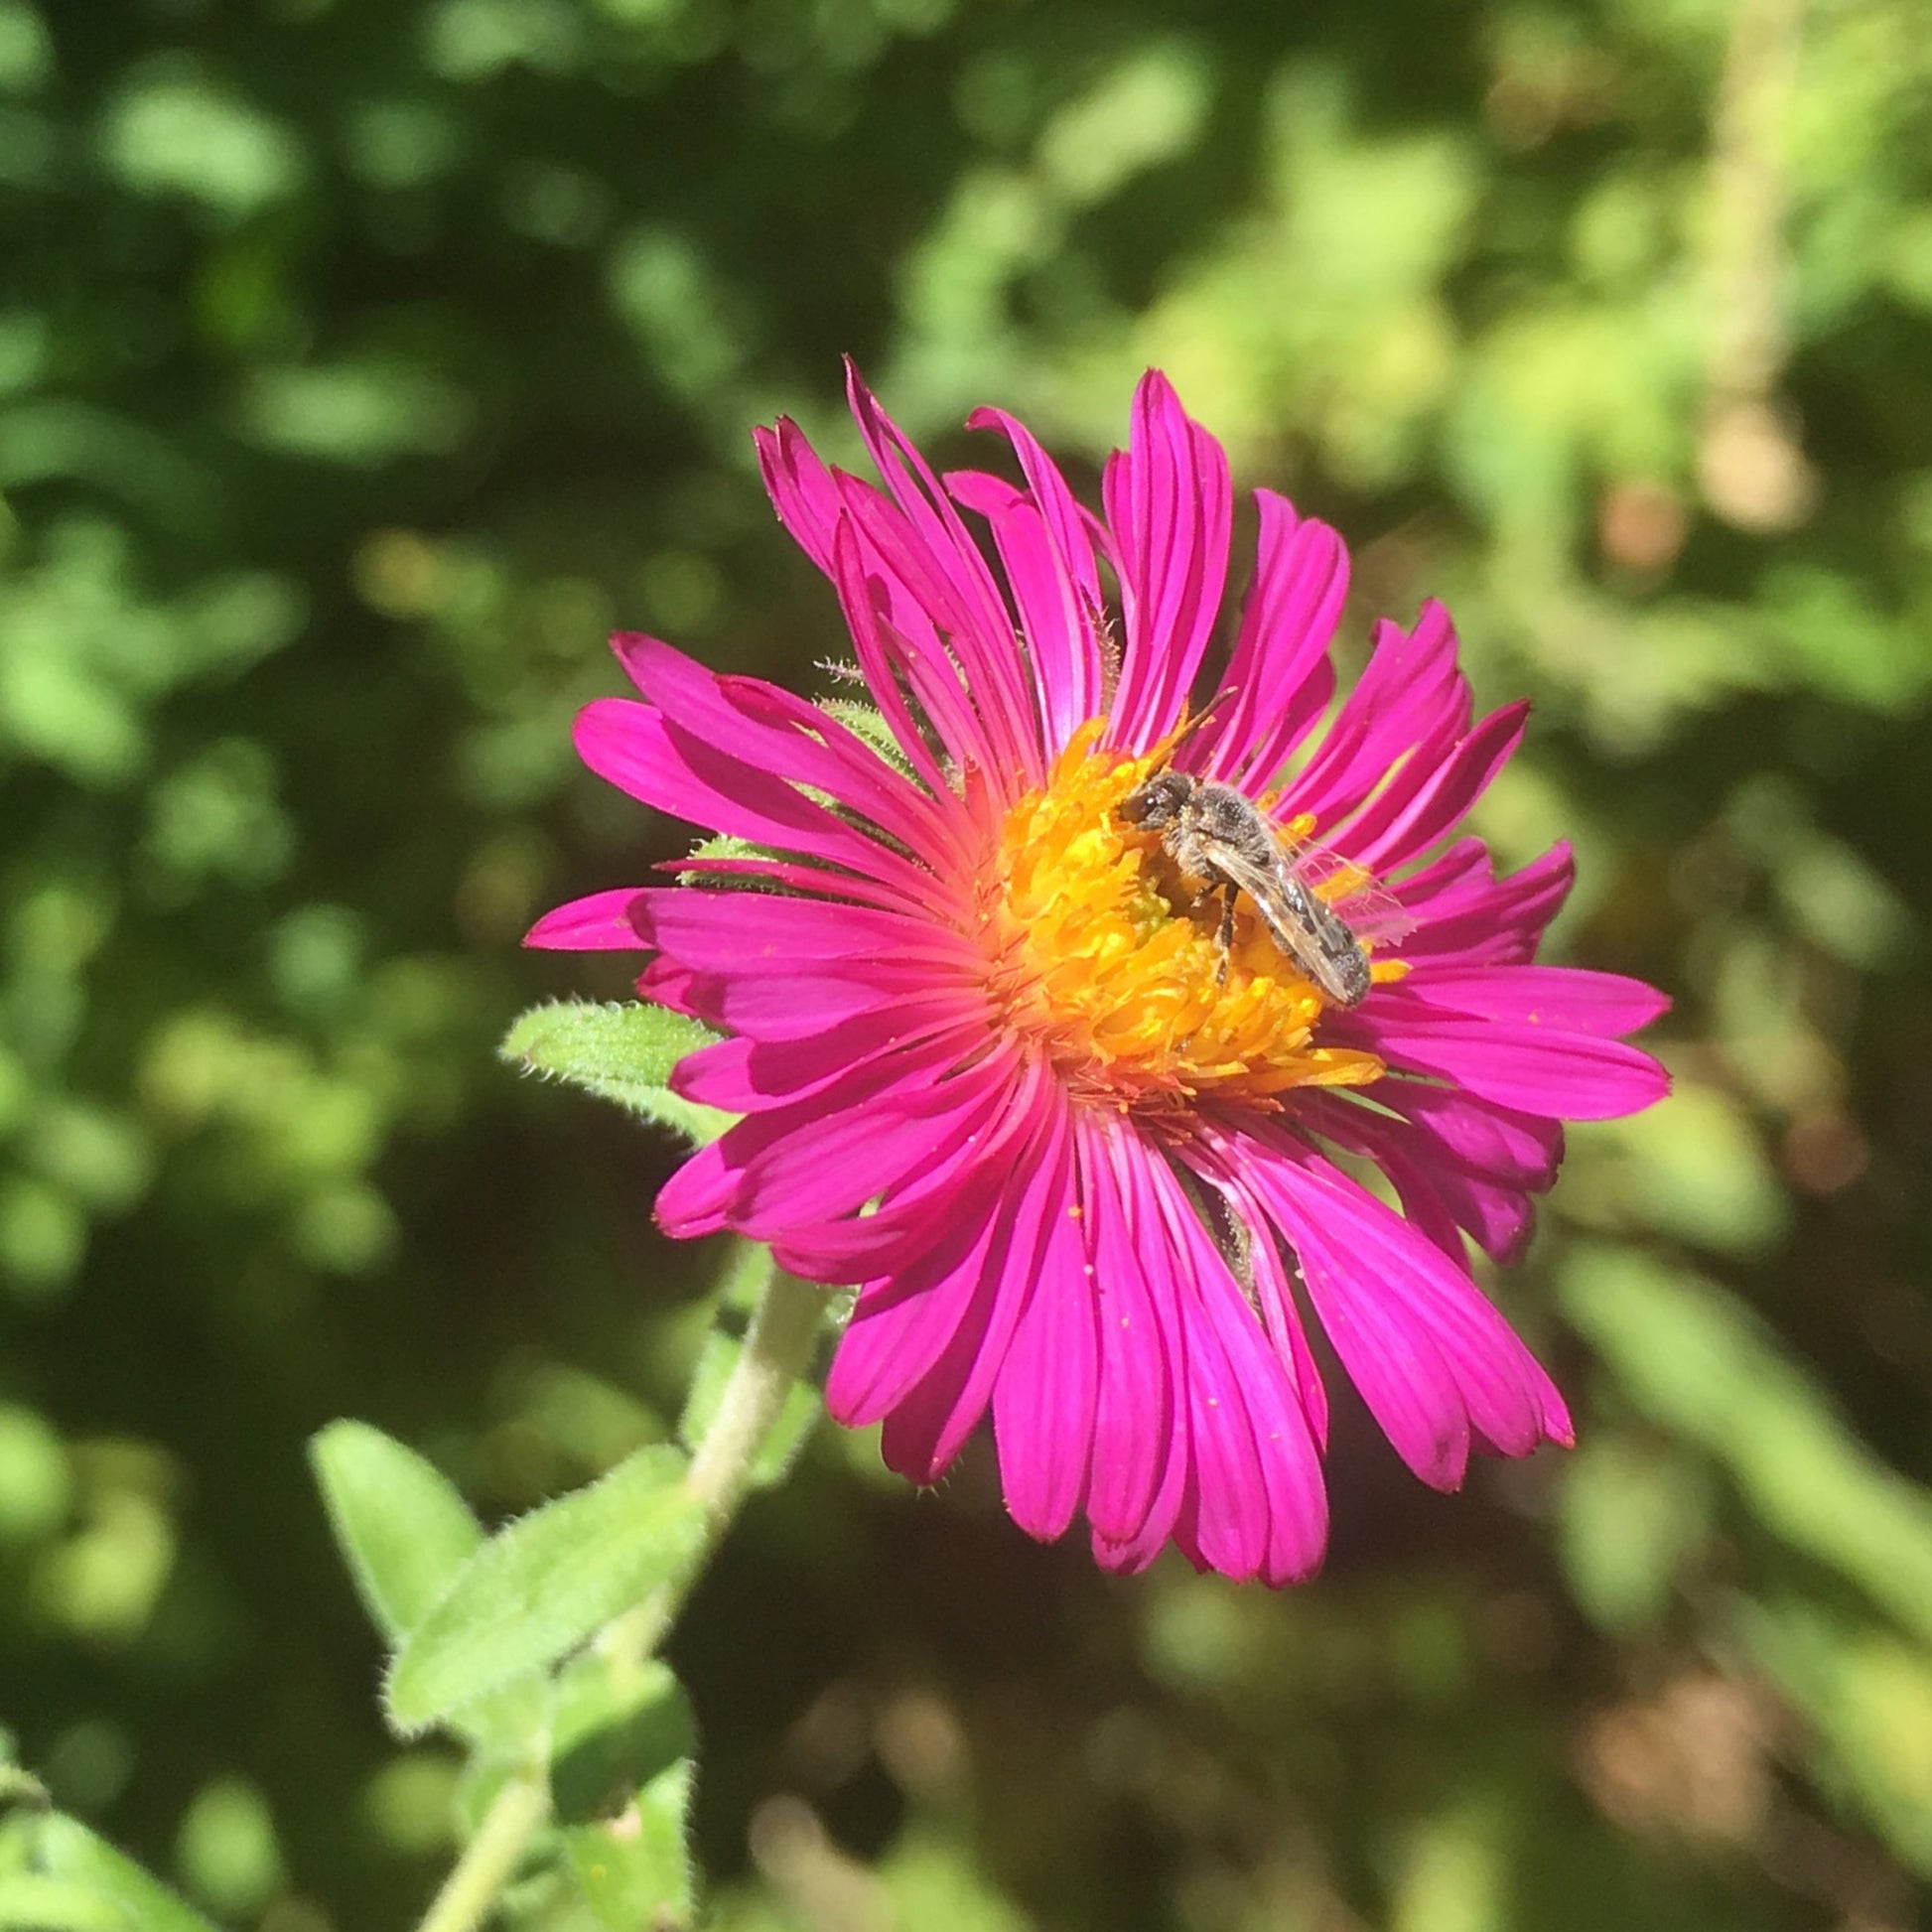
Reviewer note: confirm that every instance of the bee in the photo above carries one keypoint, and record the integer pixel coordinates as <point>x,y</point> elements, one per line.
<point>1214,833</point>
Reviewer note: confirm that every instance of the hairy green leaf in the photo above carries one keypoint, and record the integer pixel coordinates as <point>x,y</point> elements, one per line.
<point>542,1586</point>
<point>67,1850</point>
<point>403,1529</point>
<point>636,1869</point>
<point>613,1731</point>
<point>622,1053</point>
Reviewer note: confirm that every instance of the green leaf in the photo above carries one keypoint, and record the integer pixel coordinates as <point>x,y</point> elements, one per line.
<point>1867,1697</point>
<point>401,1526</point>
<point>1696,1360</point>
<point>538,1589</point>
<point>507,1724</point>
<point>636,1869</point>
<point>612,1733</point>
<point>621,1052</point>
<point>33,1903</point>
<point>1630,1515</point>
<point>66,1850</point>
<point>788,1435</point>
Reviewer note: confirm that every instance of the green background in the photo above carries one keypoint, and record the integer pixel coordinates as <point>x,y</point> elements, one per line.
<point>362,363</point>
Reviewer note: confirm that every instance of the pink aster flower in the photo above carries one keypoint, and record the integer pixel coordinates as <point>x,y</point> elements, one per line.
<point>1087,1143</point>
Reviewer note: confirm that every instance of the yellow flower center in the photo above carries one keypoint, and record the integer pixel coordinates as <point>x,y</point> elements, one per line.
<point>1101,952</point>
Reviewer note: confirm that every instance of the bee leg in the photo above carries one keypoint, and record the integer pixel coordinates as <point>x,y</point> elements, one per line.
<point>1225,938</point>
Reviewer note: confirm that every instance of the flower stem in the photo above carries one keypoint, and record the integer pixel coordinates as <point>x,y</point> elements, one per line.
<point>777,1348</point>
<point>490,1860</point>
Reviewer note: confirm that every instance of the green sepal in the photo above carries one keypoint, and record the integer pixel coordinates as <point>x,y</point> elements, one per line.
<point>80,1883</point>
<point>621,1051</point>
<point>545,1584</point>
<point>867,722</point>
<point>636,1869</point>
<point>721,845</point>
<point>399,1523</point>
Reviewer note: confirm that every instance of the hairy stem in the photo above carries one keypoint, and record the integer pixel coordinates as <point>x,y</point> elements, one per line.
<point>490,1860</point>
<point>777,1348</point>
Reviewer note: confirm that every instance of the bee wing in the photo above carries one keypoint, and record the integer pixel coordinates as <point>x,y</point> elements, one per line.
<point>1261,880</point>
<point>1351,891</point>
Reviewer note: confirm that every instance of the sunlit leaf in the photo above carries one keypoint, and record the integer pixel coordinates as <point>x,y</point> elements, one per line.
<point>623,1053</point>
<point>635,1868</point>
<point>66,1850</point>
<point>612,1732</point>
<point>398,1521</point>
<point>539,1588</point>
<point>1695,1360</point>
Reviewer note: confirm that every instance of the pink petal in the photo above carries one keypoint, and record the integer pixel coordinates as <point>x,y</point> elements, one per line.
<point>1289,1467</point>
<point>908,1216</point>
<point>930,1426</point>
<point>800,487</point>
<point>1436,1363</point>
<point>1409,818</point>
<point>915,1039</point>
<point>1136,1415</point>
<point>793,739</point>
<point>1463,867</point>
<point>1412,691</point>
<point>1484,921</point>
<point>1043,1402</point>
<point>642,753</point>
<point>1226,1516</point>
<point>1572,1076</point>
<point>1053,501</point>
<point>812,507</point>
<point>792,1166</point>
<point>598,923</point>
<point>1073,566</point>
<point>787,877</point>
<point>895,637</point>
<point>954,585</point>
<point>901,1324</point>
<point>792,1008</point>
<point>1057,630</point>
<point>1169,506</point>
<point>759,932</point>
<point>1568,998</point>
<point>1488,1139</point>
<point>1439,1196</point>
<point>903,1320</point>
<point>1280,678</point>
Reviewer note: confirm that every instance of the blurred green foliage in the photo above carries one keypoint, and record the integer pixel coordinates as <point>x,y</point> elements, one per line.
<point>363,362</point>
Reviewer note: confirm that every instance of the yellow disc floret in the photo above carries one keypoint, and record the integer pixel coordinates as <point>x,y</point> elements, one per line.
<point>1102,954</point>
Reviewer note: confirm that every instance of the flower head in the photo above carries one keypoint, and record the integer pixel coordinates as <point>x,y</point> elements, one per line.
<point>1047,1023</point>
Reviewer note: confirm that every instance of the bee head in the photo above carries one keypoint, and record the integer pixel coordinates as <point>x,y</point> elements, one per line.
<point>1160,801</point>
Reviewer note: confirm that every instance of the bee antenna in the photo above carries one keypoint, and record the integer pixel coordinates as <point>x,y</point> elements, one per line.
<point>1192,724</point>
